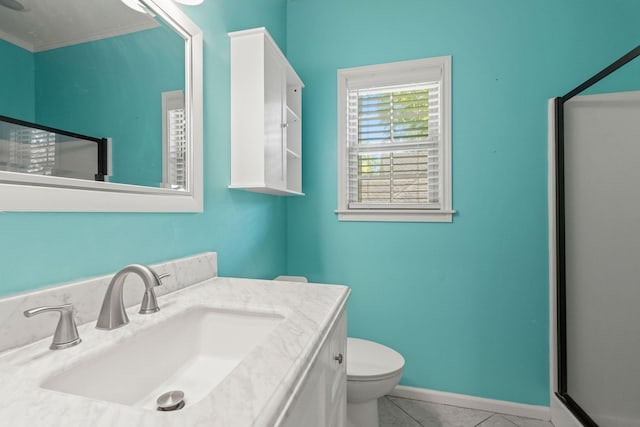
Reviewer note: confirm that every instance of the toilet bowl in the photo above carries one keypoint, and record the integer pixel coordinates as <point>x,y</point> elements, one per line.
<point>373,370</point>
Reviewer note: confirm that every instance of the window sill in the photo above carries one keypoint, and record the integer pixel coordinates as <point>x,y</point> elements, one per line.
<point>398,215</point>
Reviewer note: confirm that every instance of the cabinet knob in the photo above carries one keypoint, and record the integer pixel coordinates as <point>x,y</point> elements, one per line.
<point>339,358</point>
<point>285,125</point>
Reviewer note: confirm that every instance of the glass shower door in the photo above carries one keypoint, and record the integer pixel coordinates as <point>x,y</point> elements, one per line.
<point>602,269</point>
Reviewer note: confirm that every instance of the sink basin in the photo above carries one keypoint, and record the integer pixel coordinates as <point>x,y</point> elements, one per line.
<point>192,351</point>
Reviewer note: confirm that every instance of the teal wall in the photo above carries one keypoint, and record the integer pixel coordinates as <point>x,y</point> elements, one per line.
<point>465,303</point>
<point>16,82</point>
<point>112,88</point>
<point>248,230</point>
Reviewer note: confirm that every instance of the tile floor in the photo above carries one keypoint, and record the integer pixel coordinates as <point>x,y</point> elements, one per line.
<point>399,412</point>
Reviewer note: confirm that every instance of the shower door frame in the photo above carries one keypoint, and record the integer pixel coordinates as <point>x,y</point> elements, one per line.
<point>102,166</point>
<point>557,213</point>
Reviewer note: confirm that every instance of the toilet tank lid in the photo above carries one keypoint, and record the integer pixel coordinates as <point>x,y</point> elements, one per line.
<point>371,359</point>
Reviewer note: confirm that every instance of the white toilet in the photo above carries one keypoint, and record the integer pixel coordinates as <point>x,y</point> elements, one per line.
<point>373,370</point>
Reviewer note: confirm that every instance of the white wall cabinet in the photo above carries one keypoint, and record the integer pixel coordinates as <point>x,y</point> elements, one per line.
<point>321,401</point>
<point>266,113</point>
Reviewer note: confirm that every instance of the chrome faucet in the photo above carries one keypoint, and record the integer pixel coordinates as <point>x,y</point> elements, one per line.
<point>112,314</point>
<point>66,334</point>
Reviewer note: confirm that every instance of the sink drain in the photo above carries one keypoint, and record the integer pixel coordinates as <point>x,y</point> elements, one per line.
<point>171,401</point>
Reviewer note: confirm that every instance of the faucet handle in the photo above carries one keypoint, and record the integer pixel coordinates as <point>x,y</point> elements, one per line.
<point>149,302</point>
<point>66,334</point>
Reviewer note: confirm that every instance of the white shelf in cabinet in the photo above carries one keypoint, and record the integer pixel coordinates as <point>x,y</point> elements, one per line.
<point>260,188</point>
<point>292,116</point>
<point>293,154</point>
<point>266,125</point>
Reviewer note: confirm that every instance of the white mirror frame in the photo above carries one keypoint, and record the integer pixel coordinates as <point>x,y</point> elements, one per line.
<point>20,192</point>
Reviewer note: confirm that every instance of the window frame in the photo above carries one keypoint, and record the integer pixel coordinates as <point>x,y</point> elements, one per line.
<point>396,73</point>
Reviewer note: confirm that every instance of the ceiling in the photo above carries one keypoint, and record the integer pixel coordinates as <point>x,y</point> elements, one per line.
<point>49,24</point>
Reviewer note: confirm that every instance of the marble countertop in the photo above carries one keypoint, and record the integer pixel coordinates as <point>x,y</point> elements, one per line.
<point>254,394</point>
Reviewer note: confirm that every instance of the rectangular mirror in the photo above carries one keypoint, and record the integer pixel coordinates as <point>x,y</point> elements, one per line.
<point>100,107</point>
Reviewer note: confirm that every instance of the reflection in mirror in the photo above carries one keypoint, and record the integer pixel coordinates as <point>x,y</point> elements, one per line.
<point>31,149</point>
<point>119,96</point>
<point>100,70</point>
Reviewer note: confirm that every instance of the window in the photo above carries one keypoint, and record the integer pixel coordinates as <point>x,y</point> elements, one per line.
<point>394,144</point>
<point>32,151</point>
<point>174,141</point>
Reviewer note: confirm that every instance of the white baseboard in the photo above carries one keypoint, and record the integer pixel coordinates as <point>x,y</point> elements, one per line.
<point>472,402</point>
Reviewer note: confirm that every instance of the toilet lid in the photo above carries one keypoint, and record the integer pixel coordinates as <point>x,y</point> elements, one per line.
<point>367,360</point>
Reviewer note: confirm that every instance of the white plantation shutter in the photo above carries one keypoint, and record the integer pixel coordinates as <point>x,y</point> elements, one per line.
<point>393,141</point>
<point>177,148</point>
<point>174,141</point>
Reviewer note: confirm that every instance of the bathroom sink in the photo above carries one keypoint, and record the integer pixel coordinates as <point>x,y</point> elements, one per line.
<point>192,352</point>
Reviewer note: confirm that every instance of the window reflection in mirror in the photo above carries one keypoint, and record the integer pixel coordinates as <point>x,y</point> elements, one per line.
<point>103,76</point>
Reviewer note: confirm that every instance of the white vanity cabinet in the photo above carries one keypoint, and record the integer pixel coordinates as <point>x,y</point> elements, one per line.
<point>266,112</point>
<point>321,400</point>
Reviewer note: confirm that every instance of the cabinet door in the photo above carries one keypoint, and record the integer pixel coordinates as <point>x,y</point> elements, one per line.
<point>310,407</point>
<point>273,110</point>
<point>338,416</point>
<point>337,374</point>
<point>322,400</point>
